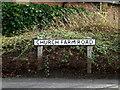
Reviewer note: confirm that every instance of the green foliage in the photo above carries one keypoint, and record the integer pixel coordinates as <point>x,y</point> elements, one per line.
<point>16,18</point>
<point>47,69</point>
<point>25,49</point>
<point>24,59</point>
<point>105,52</point>
<point>64,61</point>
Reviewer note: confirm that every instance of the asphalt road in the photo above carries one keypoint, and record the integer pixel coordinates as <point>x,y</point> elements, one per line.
<point>58,83</point>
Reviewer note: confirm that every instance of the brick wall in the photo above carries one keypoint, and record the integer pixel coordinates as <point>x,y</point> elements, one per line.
<point>113,13</point>
<point>50,3</point>
<point>88,6</point>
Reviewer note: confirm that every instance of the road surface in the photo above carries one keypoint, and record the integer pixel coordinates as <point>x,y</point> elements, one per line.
<point>59,83</point>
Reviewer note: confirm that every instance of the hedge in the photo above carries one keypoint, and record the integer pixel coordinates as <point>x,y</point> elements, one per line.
<point>16,18</point>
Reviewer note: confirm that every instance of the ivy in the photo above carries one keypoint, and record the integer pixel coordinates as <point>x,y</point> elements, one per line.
<point>18,17</point>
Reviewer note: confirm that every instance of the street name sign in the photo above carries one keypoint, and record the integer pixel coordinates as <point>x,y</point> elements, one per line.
<point>64,42</point>
<point>89,42</point>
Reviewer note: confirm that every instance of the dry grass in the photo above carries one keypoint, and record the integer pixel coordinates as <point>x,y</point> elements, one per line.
<point>82,19</point>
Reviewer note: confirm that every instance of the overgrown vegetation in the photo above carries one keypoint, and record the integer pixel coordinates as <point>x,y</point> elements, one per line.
<point>105,54</point>
<point>53,22</point>
<point>18,17</point>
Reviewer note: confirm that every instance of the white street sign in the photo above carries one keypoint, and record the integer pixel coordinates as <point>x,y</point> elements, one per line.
<point>64,42</point>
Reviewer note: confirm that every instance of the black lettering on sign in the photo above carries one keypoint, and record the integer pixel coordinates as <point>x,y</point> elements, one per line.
<point>78,41</point>
<point>65,42</point>
<point>69,41</point>
<point>74,41</point>
<point>83,41</point>
<point>61,41</point>
<point>49,41</point>
<point>52,42</point>
<point>45,42</point>
<point>37,42</point>
<point>56,42</point>
<point>42,42</point>
<point>90,41</point>
<point>87,41</point>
